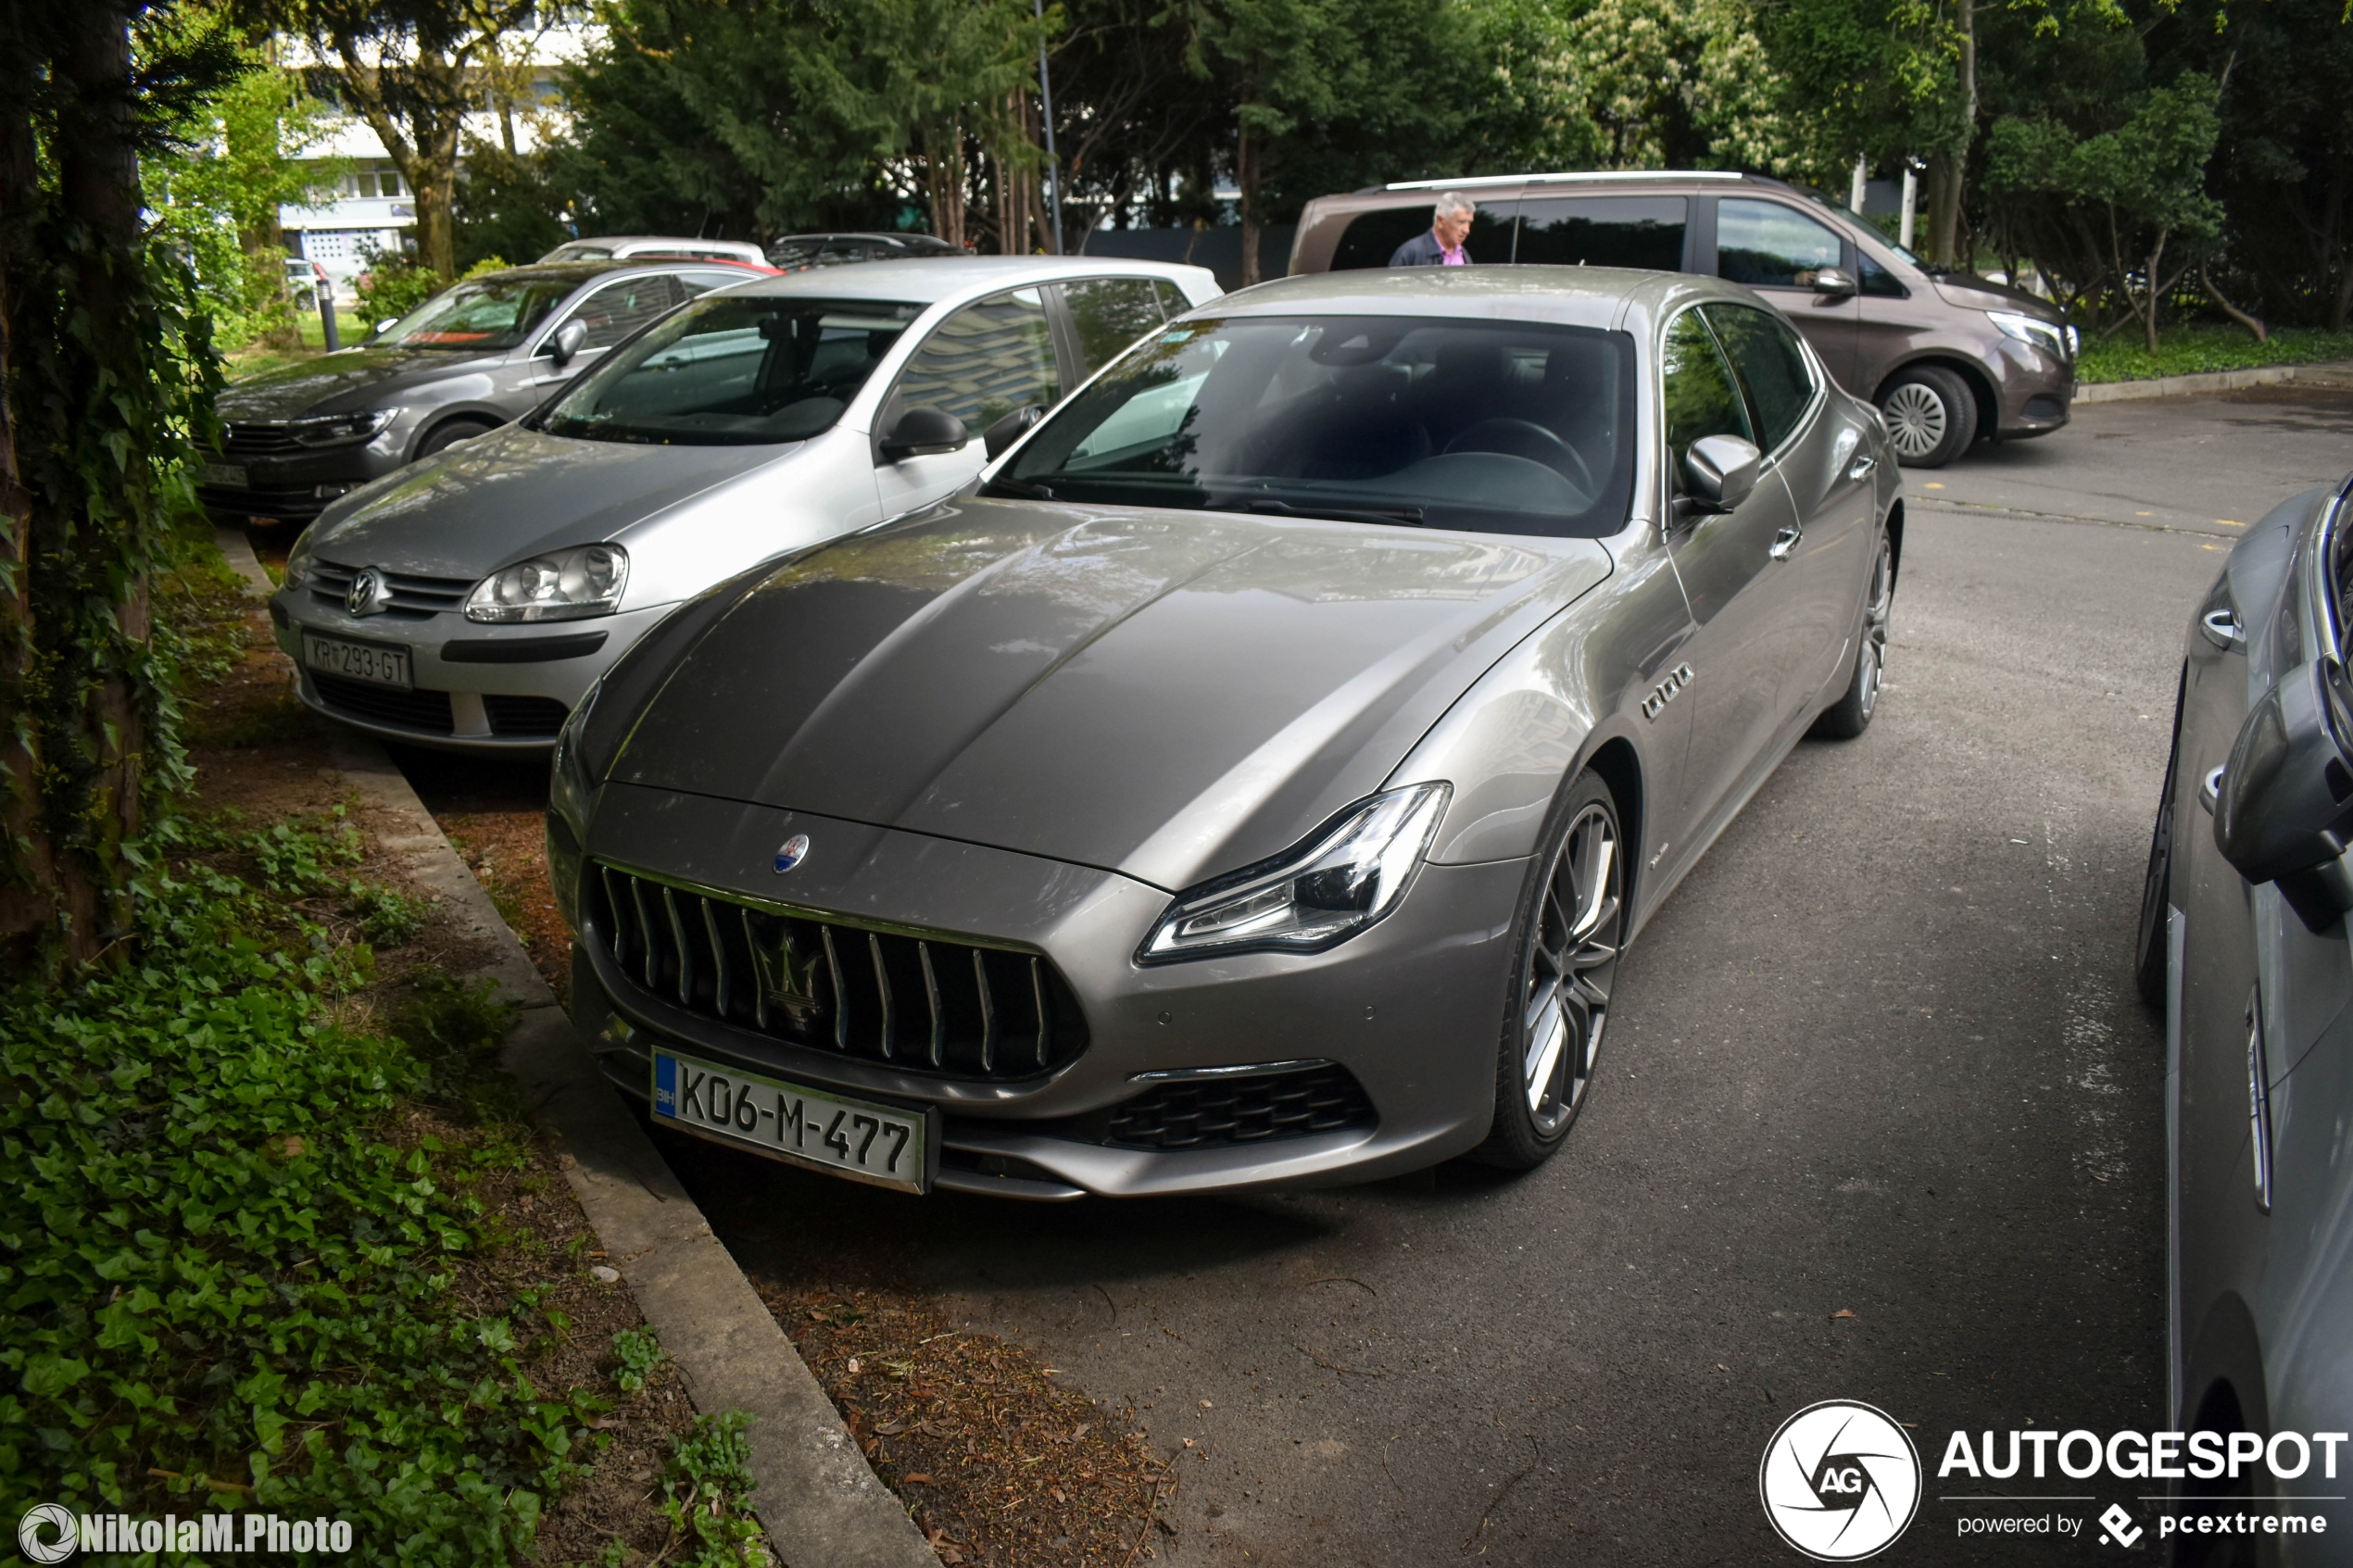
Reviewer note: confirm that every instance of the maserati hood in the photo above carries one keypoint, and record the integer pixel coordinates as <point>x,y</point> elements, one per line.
<point>515,492</point>
<point>1167,695</point>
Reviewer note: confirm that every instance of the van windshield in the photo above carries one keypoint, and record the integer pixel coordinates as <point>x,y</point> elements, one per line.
<point>733,372</point>
<point>1505,427</point>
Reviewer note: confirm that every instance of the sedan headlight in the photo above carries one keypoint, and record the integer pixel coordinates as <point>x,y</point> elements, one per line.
<point>567,585</point>
<point>2057,341</point>
<point>342,430</point>
<point>1342,879</point>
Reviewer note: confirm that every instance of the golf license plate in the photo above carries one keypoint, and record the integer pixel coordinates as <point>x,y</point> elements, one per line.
<point>356,661</point>
<point>857,1138</point>
<point>228,476</point>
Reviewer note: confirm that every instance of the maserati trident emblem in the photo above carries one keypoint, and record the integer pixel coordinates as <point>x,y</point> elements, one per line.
<point>791,853</point>
<point>789,972</point>
<point>369,594</point>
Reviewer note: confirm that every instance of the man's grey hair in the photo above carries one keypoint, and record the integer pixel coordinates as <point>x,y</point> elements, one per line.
<point>1453,204</point>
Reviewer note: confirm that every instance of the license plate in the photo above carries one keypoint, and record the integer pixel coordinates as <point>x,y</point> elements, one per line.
<point>356,661</point>
<point>229,476</point>
<point>857,1138</point>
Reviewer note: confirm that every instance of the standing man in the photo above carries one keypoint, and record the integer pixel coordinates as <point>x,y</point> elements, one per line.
<point>1442,245</point>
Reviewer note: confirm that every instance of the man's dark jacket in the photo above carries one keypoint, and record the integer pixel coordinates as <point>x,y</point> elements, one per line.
<point>1422,250</point>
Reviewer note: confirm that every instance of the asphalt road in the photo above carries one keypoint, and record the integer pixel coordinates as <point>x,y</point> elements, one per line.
<point>1878,1118</point>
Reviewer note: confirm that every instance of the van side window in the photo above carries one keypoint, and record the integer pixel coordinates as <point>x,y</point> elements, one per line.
<point>1373,237</point>
<point>1645,232</point>
<point>1765,244</point>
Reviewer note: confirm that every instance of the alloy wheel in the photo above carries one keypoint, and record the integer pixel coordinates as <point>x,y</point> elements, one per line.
<point>1875,616</point>
<point>1572,958</point>
<point>1917,419</point>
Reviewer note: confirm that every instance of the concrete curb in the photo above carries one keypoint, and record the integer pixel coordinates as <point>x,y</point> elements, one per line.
<point>2337,372</point>
<point>817,1498</point>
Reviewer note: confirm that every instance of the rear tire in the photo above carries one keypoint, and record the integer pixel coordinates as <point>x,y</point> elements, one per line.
<point>1931,416</point>
<point>1572,924</point>
<point>442,436</point>
<point>1851,714</point>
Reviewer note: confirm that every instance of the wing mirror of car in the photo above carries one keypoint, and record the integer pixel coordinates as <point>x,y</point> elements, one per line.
<point>2284,813</point>
<point>1835,281</point>
<point>923,432</point>
<point>1000,436</point>
<point>1718,472</point>
<point>567,342</point>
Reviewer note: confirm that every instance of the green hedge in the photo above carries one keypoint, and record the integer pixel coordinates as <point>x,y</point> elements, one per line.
<point>2187,351</point>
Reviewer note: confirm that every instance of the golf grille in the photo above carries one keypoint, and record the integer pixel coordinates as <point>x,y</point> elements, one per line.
<point>917,1003</point>
<point>1211,1112</point>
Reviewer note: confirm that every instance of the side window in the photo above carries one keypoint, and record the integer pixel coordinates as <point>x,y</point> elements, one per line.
<point>1701,398</point>
<point>1877,280</point>
<point>1372,238</point>
<point>1173,302</point>
<point>693,284</point>
<point>1766,244</point>
<point>1108,314</point>
<point>618,309</point>
<point>1771,365</point>
<point>1645,232</point>
<point>992,357</point>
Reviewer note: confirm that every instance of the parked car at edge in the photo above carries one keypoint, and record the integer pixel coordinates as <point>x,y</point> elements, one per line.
<point>795,252</point>
<point>624,247</point>
<point>468,359</point>
<point>1949,358</point>
<point>2243,941</point>
<point>1255,778</point>
<point>469,601</point>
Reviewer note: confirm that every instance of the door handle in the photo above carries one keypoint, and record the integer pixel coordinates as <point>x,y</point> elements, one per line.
<point>1862,467</point>
<point>1784,542</point>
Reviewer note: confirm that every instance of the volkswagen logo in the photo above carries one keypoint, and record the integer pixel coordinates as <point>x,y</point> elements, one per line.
<point>1840,1481</point>
<point>791,852</point>
<point>369,594</point>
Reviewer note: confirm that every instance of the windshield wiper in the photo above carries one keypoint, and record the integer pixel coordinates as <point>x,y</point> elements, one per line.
<point>1023,489</point>
<point>1410,515</point>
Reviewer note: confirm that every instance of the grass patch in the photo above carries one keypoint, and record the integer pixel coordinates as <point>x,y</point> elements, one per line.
<point>256,357</point>
<point>2197,349</point>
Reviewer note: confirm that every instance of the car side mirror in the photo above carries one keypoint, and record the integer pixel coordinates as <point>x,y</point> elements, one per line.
<point>1835,281</point>
<point>1719,471</point>
<point>1000,436</point>
<point>2284,811</point>
<point>920,433</point>
<point>567,342</point>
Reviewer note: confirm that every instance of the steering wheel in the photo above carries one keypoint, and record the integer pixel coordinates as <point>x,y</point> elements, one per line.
<point>1525,438</point>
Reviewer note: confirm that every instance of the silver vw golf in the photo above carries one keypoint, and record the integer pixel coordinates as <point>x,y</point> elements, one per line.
<point>1255,776</point>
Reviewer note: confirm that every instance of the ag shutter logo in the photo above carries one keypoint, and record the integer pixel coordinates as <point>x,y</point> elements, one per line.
<point>46,1533</point>
<point>1840,1481</point>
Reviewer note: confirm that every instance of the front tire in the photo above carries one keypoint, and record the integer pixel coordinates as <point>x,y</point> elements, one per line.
<point>443,436</point>
<point>1572,924</point>
<point>1932,417</point>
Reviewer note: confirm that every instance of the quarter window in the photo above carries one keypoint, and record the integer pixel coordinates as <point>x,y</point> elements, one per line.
<point>983,362</point>
<point>618,309</point>
<point>1766,244</point>
<point>1770,365</point>
<point>1701,398</point>
<point>1877,280</point>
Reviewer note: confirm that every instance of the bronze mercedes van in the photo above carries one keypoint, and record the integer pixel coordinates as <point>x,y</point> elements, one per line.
<point>1949,358</point>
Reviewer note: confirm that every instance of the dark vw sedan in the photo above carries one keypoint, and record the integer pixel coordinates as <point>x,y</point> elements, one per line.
<point>1256,774</point>
<point>2244,943</point>
<point>476,354</point>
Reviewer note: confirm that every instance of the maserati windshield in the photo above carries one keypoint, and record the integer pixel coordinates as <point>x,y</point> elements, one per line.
<point>1486,426</point>
<point>735,370</point>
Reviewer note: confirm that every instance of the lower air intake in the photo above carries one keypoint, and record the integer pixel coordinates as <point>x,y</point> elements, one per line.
<point>1247,1107</point>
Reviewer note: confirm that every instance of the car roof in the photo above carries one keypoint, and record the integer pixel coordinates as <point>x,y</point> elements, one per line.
<point>576,272</point>
<point>929,280</point>
<point>1591,177</point>
<point>1584,297</point>
<point>860,234</point>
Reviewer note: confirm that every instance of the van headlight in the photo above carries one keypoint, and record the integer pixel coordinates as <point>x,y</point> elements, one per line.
<point>2049,336</point>
<point>1341,880</point>
<point>567,585</point>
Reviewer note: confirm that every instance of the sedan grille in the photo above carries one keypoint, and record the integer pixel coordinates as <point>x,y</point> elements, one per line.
<point>914,1002</point>
<point>256,441</point>
<point>1246,1108</point>
<point>413,598</point>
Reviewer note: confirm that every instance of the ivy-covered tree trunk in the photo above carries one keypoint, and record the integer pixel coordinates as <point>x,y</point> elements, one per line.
<point>28,887</point>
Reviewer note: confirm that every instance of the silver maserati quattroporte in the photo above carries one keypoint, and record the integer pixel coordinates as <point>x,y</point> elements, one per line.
<point>1254,775</point>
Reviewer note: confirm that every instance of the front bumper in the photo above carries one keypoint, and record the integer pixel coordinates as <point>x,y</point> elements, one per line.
<point>2037,391</point>
<point>1413,1009</point>
<point>494,690</point>
<point>297,484</point>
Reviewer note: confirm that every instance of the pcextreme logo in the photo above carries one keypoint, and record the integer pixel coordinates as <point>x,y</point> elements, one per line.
<point>1840,1481</point>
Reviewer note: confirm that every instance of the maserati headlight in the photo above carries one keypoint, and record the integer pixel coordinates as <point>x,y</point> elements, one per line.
<point>1342,879</point>
<point>2049,336</point>
<point>566,585</point>
<point>572,789</point>
<point>341,430</point>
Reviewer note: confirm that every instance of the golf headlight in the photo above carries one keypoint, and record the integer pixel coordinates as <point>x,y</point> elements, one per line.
<point>340,429</point>
<point>1341,880</point>
<point>567,585</point>
<point>2048,336</point>
<point>298,558</point>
